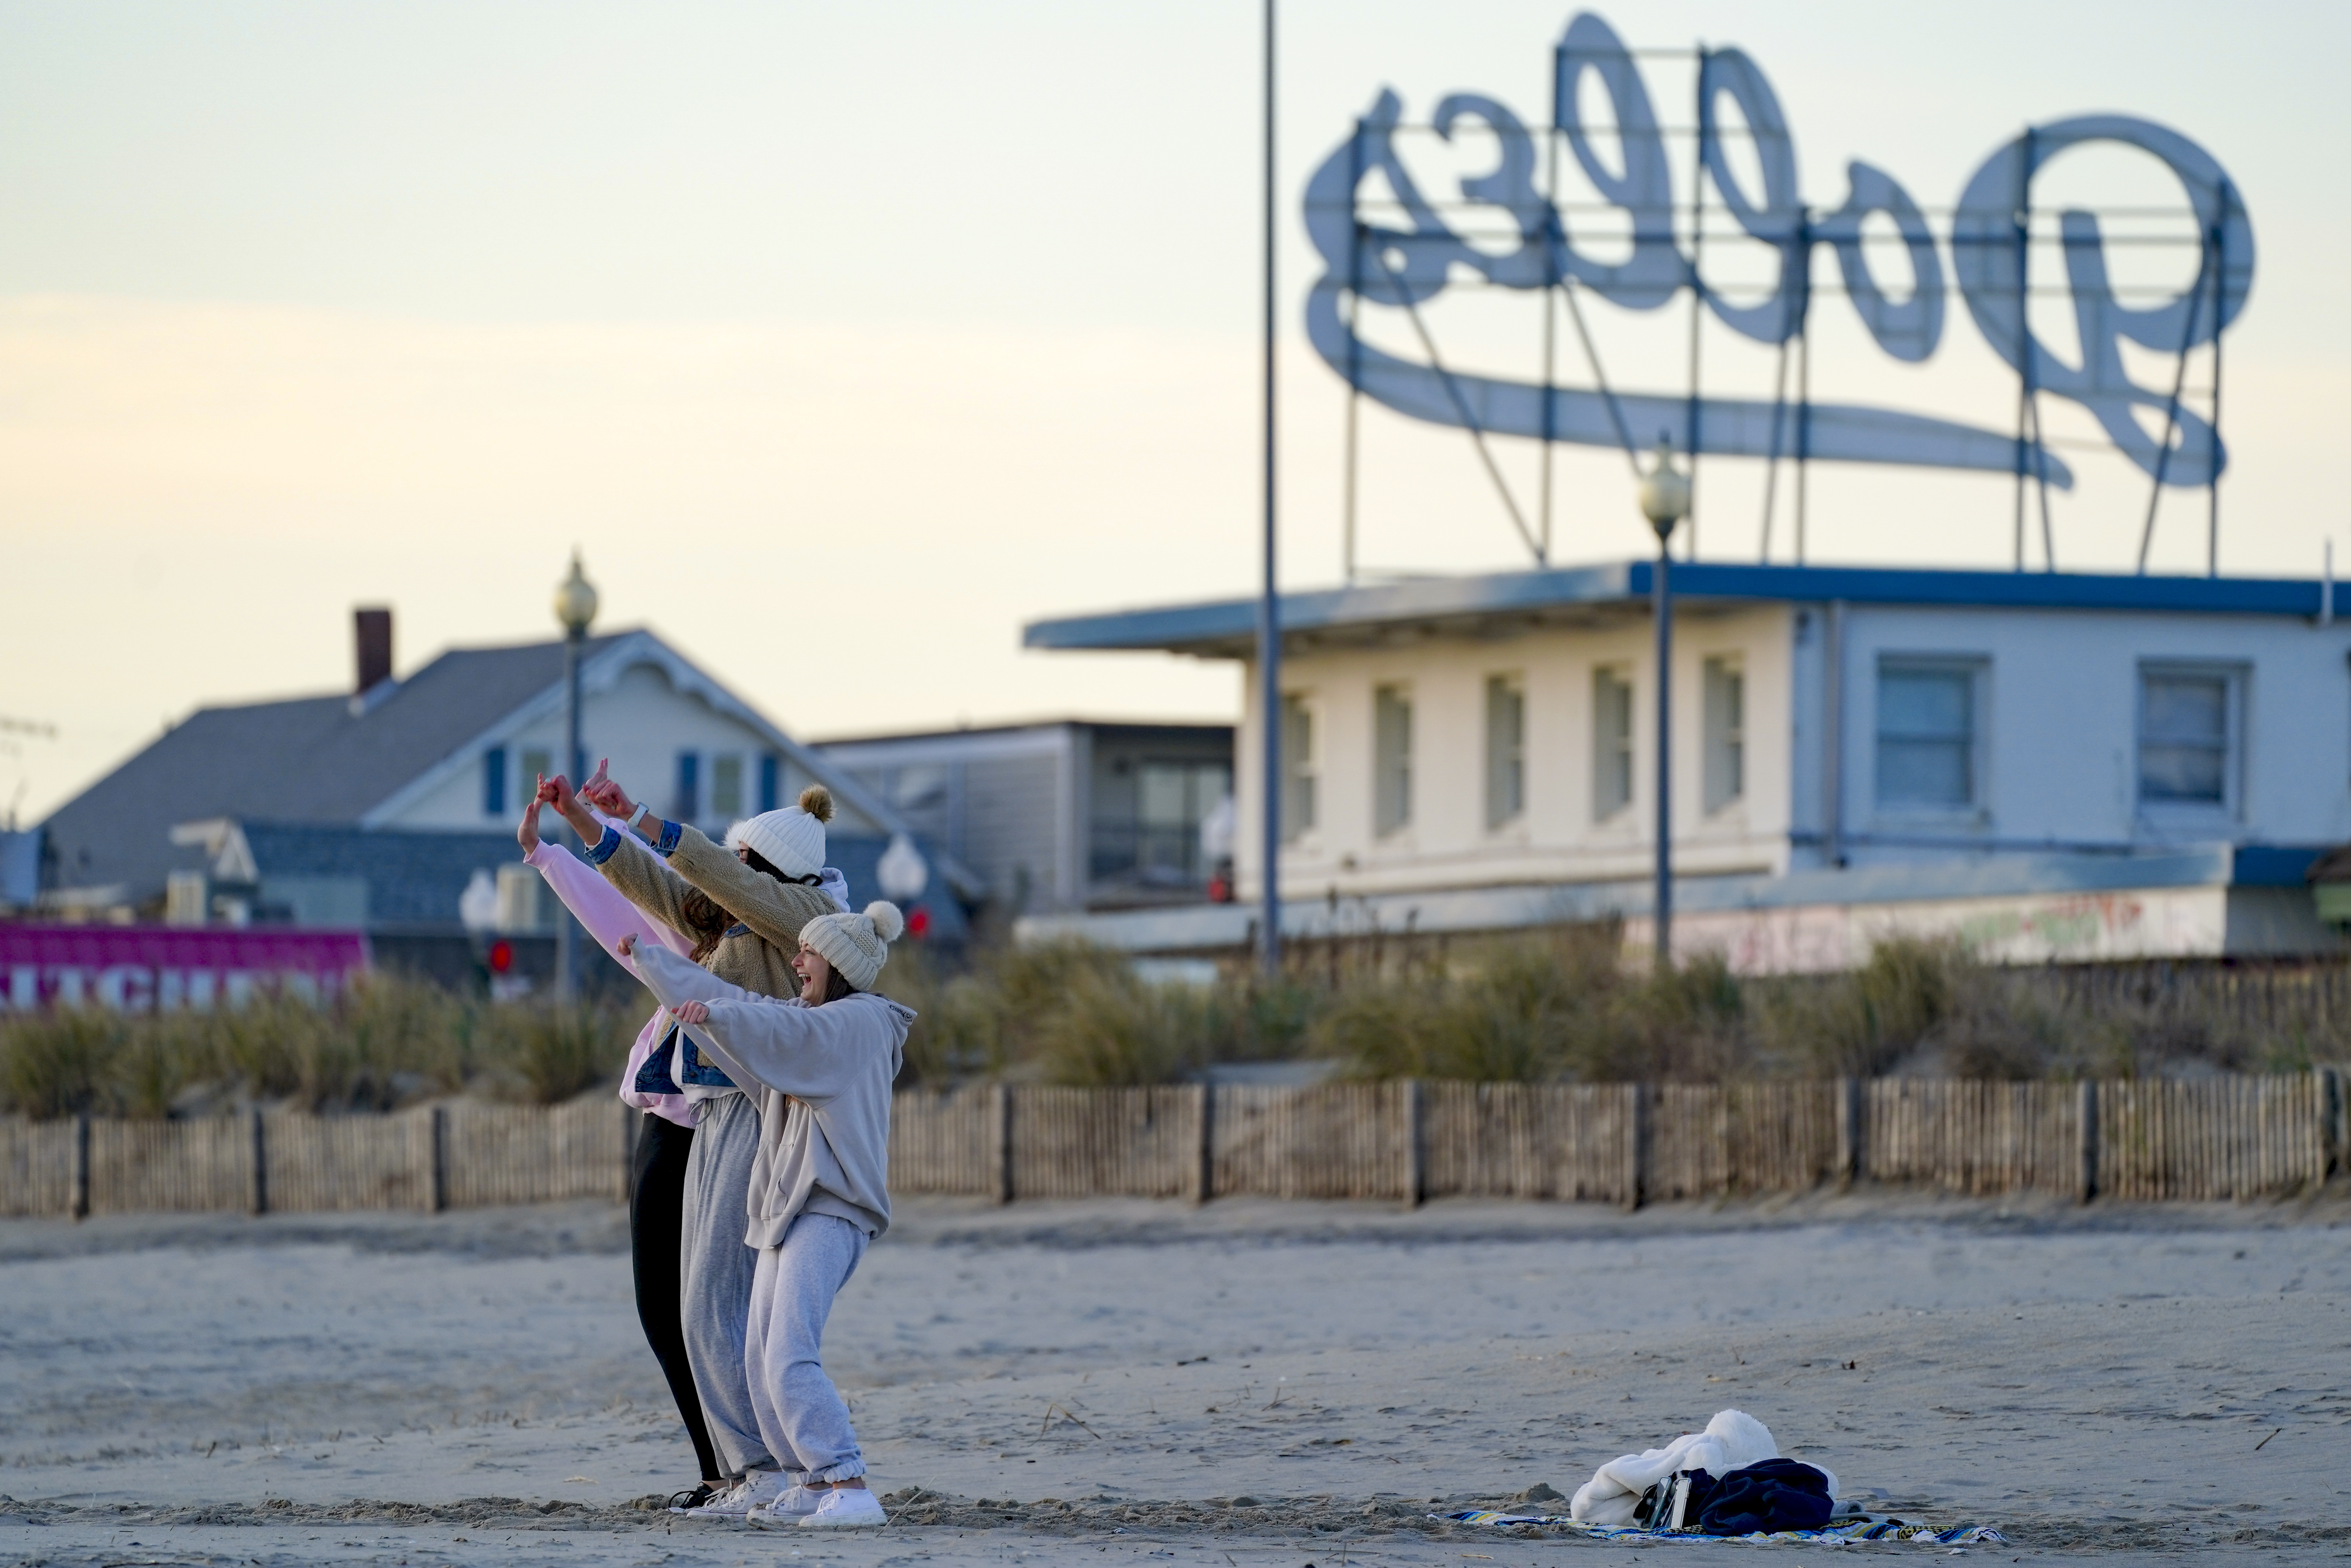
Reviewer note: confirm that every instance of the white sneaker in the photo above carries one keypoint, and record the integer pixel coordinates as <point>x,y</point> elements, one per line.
<point>786,1509</point>
<point>756,1490</point>
<point>845,1507</point>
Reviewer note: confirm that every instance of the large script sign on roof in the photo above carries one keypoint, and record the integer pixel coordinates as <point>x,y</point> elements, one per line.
<point>1395,248</point>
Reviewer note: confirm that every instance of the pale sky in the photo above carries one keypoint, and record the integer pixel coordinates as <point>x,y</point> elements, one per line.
<point>846,339</point>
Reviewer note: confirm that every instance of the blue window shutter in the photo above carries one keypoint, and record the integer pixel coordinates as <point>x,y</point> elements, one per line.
<point>768,772</point>
<point>689,787</point>
<point>494,781</point>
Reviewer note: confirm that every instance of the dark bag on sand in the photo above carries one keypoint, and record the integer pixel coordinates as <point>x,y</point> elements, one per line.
<point>1776,1494</point>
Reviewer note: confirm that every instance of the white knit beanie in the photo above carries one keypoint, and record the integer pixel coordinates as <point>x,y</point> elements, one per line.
<point>856,945</point>
<point>792,839</point>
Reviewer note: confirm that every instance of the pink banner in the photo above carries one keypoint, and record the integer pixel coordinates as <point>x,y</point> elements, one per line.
<point>142,968</point>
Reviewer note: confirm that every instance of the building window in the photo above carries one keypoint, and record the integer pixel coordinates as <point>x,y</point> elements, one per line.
<point>1611,743</point>
<point>1506,749</point>
<point>1726,734</point>
<point>726,787</point>
<point>2186,736</point>
<point>771,781</point>
<point>1171,800</point>
<point>687,805</point>
<point>1391,758</point>
<point>1927,752</point>
<point>1297,768</point>
<point>536,765</point>
<point>494,781</point>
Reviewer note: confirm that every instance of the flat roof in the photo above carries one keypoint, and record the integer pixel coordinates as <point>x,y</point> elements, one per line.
<point>1017,726</point>
<point>1587,594</point>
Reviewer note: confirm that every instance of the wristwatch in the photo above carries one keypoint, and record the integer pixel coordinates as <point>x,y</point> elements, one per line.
<point>637,817</point>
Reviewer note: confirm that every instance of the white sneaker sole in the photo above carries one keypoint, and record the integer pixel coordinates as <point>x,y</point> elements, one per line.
<point>835,1521</point>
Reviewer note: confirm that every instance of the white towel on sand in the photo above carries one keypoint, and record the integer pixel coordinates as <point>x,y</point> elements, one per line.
<point>1733,1441</point>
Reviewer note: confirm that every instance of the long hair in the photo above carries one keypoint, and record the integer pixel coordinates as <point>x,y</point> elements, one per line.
<point>705,919</point>
<point>836,985</point>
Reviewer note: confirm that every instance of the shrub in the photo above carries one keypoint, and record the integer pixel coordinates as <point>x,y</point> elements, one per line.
<point>385,1041</point>
<point>546,1054</point>
<point>1111,1029</point>
<point>61,1063</point>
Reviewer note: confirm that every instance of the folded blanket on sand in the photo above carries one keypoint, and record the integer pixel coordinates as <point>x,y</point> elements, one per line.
<point>1848,1535</point>
<point>1731,1441</point>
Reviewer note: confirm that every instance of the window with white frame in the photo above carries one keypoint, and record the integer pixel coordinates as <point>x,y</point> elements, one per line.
<point>1611,743</point>
<point>1506,750</point>
<point>537,763</point>
<point>2188,721</point>
<point>1391,758</point>
<point>725,786</point>
<point>1930,749</point>
<point>1725,725</point>
<point>1298,770</point>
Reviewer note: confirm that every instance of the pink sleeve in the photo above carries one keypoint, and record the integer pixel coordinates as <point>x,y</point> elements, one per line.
<point>601,908</point>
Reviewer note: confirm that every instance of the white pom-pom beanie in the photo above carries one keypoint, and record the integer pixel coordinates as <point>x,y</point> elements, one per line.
<point>856,945</point>
<point>792,839</point>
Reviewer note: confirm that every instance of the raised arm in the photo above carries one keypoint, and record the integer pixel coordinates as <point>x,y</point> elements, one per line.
<point>643,880</point>
<point>602,907</point>
<point>776,910</point>
<point>811,1053</point>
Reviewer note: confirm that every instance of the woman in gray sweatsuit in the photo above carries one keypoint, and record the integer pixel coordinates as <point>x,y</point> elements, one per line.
<point>821,1067</point>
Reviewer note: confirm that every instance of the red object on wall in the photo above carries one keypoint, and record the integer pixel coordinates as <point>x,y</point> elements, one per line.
<point>918,921</point>
<point>501,956</point>
<point>139,968</point>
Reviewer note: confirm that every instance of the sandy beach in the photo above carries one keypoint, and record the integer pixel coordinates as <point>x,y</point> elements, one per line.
<point>1247,1383</point>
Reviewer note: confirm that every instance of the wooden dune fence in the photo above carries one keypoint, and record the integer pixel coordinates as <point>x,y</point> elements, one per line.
<point>2214,1138</point>
<point>2236,1137</point>
<point>439,1157</point>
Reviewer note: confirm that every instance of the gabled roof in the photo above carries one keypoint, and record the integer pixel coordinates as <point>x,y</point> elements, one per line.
<point>355,762</point>
<point>324,759</point>
<point>1565,595</point>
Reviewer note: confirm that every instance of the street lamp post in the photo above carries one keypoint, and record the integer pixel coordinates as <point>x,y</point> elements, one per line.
<point>575,608</point>
<point>1268,613</point>
<point>1665,501</point>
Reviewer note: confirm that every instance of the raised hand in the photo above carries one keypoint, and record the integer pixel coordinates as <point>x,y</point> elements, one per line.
<point>526,831</point>
<point>606,797</point>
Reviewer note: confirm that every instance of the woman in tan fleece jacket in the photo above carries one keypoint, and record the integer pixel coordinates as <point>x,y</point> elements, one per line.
<point>765,906</point>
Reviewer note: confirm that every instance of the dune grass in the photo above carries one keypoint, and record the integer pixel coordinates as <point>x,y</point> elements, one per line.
<point>384,1042</point>
<point>1557,1005</point>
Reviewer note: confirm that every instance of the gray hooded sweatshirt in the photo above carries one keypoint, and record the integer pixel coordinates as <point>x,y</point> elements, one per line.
<point>822,1076</point>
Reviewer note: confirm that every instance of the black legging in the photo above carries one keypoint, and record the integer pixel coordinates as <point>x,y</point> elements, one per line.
<point>656,1210</point>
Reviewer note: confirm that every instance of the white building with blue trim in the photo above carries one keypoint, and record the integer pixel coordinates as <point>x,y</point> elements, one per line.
<point>2050,766</point>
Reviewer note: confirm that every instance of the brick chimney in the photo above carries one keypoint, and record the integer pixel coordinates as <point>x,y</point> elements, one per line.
<point>372,631</point>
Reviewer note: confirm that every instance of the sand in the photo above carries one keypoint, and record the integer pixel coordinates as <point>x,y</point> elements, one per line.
<point>1252,1382</point>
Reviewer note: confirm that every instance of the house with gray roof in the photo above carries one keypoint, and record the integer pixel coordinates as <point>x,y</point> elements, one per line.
<point>379,808</point>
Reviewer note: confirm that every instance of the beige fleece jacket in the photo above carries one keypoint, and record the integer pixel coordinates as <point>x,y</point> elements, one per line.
<point>757,954</point>
<point>822,1076</point>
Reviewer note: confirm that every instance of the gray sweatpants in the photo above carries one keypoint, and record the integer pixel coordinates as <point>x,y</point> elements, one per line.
<point>715,1277</point>
<point>802,1418</point>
